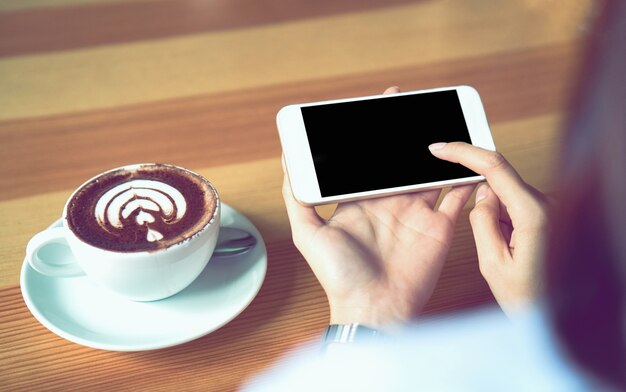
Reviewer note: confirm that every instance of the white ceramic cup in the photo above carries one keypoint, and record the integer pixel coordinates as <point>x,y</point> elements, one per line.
<point>139,276</point>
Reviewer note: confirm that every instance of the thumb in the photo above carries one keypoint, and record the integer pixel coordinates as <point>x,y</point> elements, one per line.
<point>485,220</point>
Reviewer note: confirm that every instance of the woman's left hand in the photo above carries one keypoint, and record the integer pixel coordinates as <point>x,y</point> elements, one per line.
<point>378,260</point>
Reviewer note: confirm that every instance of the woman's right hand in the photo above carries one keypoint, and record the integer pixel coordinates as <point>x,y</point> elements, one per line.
<point>509,222</point>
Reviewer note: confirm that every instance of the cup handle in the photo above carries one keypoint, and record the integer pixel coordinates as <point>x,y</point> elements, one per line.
<point>51,265</point>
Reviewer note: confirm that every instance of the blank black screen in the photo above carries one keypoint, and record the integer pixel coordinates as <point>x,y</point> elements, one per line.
<point>383,143</point>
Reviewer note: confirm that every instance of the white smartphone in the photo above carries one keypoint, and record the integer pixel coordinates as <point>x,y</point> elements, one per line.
<point>350,149</point>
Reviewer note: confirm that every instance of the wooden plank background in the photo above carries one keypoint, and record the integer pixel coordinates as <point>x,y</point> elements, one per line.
<point>87,85</point>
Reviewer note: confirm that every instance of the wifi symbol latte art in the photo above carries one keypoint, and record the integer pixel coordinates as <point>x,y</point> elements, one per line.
<point>149,200</point>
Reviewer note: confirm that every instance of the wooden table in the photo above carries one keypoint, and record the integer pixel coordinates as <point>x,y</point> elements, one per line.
<point>87,85</point>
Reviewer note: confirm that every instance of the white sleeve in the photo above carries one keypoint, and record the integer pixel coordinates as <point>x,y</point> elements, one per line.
<point>483,351</point>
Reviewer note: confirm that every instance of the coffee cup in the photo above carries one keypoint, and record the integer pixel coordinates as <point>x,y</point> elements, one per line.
<point>143,231</point>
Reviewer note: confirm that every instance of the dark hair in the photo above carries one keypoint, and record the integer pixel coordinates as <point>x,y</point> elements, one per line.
<point>586,265</point>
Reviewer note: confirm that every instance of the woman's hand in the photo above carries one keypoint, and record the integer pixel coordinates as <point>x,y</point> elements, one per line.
<point>378,260</point>
<point>509,223</point>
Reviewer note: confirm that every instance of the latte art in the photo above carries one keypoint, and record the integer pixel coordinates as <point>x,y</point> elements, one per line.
<point>145,201</point>
<point>141,207</point>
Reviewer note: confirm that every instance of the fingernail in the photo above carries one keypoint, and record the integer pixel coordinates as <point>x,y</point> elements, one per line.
<point>437,146</point>
<point>481,192</point>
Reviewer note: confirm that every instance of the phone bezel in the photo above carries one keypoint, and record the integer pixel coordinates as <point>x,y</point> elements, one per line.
<point>299,160</point>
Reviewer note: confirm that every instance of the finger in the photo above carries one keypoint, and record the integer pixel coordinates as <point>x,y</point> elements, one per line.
<point>454,201</point>
<point>501,176</point>
<point>430,197</point>
<point>301,217</point>
<point>485,221</point>
<point>392,90</point>
<point>424,199</point>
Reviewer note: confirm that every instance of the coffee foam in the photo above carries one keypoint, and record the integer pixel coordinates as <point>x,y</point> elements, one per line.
<point>161,199</point>
<point>143,207</point>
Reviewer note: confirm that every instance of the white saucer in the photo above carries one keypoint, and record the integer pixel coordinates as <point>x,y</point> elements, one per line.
<point>80,311</point>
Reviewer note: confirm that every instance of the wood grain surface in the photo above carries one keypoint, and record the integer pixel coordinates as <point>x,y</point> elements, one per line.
<point>87,85</point>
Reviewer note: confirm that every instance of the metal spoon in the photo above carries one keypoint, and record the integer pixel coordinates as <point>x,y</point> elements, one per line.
<point>232,241</point>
